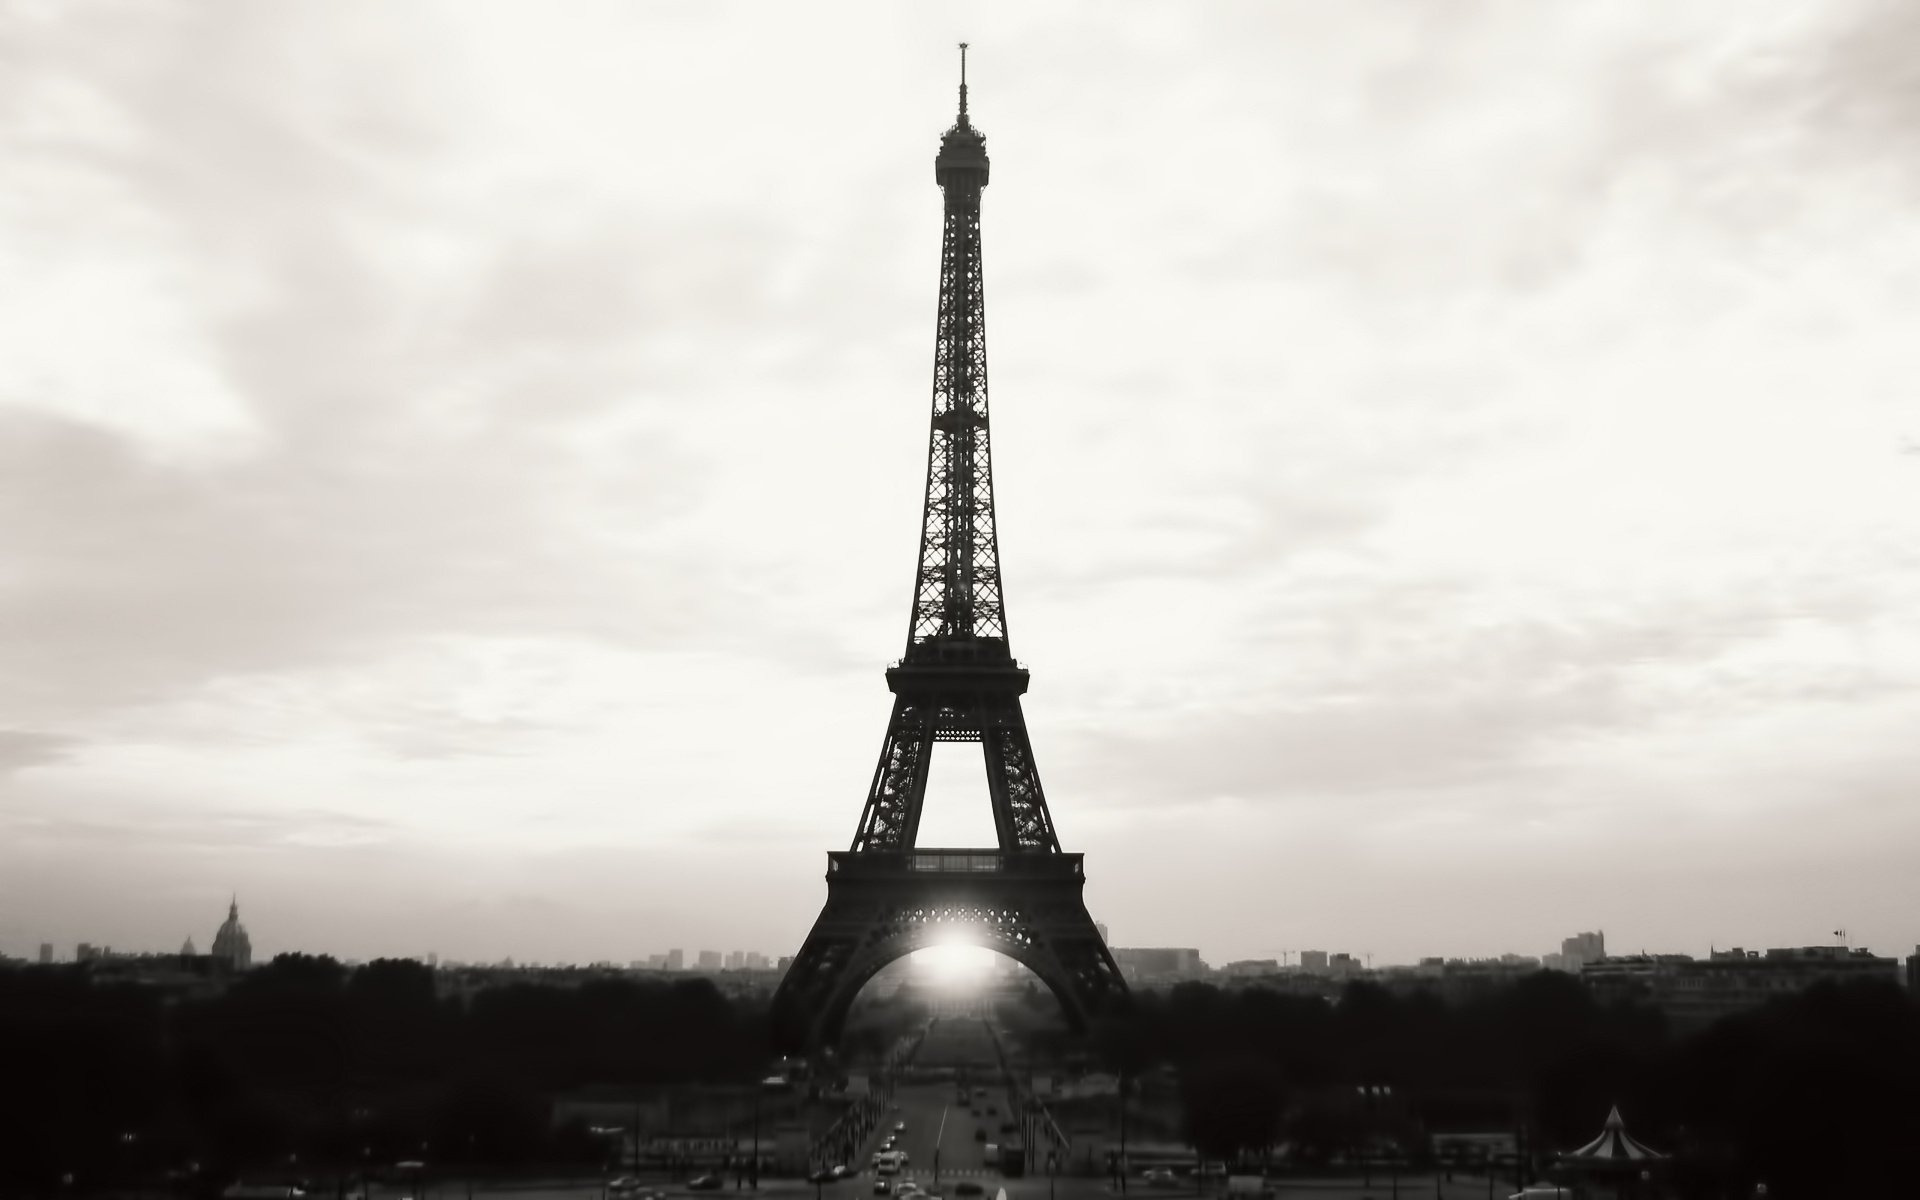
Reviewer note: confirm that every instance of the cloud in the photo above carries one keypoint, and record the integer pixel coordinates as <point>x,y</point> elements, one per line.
<point>20,749</point>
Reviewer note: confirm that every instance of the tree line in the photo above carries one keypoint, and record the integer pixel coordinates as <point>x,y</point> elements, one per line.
<point>310,1065</point>
<point>305,1060</point>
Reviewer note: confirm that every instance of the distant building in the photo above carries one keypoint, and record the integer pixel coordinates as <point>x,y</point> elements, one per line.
<point>187,950</point>
<point>1314,961</point>
<point>1696,992</point>
<point>1577,951</point>
<point>786,960</point>
<point>231,946</point>
<point>709,960</point>
<point>46,953</point>
<point>1147,964</point>
<point>87,952</point>
<point>1247,967</point>
<point>735,961</point>
<point>1465,978</point>
<point>1913,967</point>
<point>676,960</point>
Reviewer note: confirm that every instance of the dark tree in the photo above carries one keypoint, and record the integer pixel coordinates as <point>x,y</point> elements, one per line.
<point>1232,1107</point>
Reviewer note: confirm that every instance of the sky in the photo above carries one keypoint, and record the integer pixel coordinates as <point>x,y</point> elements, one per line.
<point>1458,466</point>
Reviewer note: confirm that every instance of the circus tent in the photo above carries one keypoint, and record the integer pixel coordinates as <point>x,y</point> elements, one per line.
<point>1615,1164</point>
<point>1614,1145</point>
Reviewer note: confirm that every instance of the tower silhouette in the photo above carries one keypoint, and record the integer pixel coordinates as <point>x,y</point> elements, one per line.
<point>957,682</point>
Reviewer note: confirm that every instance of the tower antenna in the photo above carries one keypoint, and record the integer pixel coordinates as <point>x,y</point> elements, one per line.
<point>963,83</point>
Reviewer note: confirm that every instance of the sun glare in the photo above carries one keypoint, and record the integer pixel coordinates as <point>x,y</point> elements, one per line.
<point>954,962</point>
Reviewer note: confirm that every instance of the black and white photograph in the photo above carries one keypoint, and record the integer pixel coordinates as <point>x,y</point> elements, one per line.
<point>531,669</point>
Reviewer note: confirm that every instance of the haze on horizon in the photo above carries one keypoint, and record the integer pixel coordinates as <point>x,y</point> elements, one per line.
<point>1458,468</point>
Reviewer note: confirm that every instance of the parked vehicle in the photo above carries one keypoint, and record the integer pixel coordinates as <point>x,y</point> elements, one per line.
<point>706,1183</point>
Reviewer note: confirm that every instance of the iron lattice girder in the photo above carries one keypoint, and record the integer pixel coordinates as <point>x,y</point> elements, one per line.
<point>957,585</point>
<point>881,907</point>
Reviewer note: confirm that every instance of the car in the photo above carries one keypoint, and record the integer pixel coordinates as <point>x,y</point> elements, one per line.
<point>840,1170</point>
<point>899,1126</point>
<point>1213,1170</point>
<point>706,1183</point>
<point>979,1135</point>
<point>1160,1176</point>
<point>883,1187</point>
<point>905,1188</point>
<point>823,1175</point>
<point>967,1187</point>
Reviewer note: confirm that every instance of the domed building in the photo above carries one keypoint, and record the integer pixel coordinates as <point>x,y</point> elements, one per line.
<point>231,946</point>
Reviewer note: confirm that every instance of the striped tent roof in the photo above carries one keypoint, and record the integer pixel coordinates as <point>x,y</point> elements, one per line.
<point>1614,1144</point>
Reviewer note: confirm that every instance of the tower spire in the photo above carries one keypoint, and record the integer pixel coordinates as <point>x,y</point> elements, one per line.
<point>963,83</point>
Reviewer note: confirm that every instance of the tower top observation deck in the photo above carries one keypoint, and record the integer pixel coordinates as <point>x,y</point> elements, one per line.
<point>963,149</point>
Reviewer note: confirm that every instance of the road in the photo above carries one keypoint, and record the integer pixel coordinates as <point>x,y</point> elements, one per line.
<point>1410,1188</point>
<point>942,1133</point>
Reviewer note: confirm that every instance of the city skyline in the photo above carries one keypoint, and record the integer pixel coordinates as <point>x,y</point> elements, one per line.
<point>1458,477</point>
<point>1574,949</point>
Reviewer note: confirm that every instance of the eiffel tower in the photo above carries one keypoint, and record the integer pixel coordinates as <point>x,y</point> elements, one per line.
<point>958,682</point>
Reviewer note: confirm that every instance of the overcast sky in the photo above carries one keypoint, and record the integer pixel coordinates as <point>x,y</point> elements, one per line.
<point>1458,466</point>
